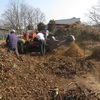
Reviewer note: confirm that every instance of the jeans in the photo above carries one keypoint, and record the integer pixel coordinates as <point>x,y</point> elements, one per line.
<point>42,44</point>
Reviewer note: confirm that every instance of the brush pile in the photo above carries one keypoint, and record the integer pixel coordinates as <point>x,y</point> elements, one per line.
<point>77,92</point>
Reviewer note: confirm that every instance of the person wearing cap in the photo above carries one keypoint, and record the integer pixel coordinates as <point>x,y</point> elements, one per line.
<point>11,42</point>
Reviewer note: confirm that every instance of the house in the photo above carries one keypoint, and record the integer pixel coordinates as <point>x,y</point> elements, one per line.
<point>67,22</point>
<point>3,30</point>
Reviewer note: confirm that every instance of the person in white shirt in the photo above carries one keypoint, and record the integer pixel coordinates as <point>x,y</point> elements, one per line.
<point>42,42</point>
<point>40,36</point>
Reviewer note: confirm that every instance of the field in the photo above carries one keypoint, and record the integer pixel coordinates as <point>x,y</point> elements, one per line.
<point>61,74</point>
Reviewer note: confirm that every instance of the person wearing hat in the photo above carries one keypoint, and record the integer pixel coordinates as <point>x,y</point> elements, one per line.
<point>11,42</point>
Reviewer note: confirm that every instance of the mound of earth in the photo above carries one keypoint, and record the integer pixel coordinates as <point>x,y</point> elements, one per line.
<point>74,51</point>
<point>33,77</point>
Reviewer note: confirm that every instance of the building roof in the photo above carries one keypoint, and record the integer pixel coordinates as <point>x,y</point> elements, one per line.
<point>67,21</point>
<point>3,29</point>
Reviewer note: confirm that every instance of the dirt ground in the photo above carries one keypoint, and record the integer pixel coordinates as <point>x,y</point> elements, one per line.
<point>54,76</point>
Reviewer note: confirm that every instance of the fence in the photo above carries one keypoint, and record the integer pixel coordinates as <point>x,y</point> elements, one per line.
<point>3,36</point>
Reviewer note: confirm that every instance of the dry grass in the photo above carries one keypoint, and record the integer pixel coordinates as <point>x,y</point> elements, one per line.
<point>74,50</point>
<point>96,53</point>
<point>2,41</point>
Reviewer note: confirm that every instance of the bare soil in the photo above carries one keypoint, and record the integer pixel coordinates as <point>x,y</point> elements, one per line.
<point>36,77</point>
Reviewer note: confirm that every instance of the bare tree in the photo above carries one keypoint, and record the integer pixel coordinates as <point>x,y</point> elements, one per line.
<point>2,22</point>
<point>94,13</point>
<point>39,17</point>
<point>19,15</point>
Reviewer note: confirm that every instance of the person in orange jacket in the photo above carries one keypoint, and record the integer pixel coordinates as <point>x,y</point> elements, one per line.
<point>32,35</point>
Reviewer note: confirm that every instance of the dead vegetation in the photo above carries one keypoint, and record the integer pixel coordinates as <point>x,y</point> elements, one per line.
<point>96,53</point>
<point>74,50</point>
<point>35,77</point>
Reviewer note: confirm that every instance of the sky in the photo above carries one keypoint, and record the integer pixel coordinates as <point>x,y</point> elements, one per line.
<point>58,9</point>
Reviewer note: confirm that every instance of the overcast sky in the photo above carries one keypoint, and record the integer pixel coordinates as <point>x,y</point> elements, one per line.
<point>58,9</point>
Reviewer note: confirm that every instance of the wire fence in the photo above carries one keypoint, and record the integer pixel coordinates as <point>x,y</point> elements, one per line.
<point>4,36</point>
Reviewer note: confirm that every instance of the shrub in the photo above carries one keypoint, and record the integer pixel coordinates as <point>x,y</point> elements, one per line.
<point>81,33</point>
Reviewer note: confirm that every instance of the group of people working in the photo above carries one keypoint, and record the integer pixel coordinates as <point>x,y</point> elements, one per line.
<point>12,40</point>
